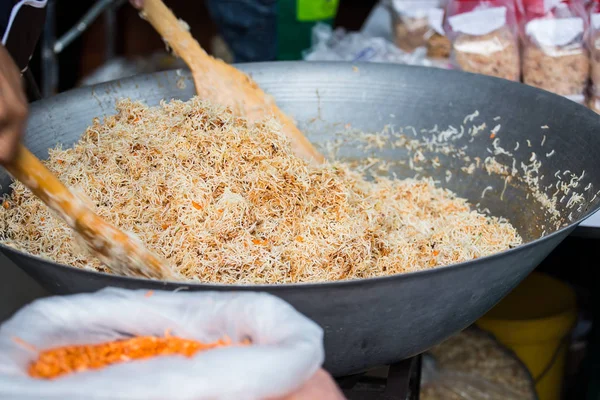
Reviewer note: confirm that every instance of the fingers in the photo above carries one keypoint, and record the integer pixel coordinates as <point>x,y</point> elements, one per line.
<point>13,107</point>
<point>320,386</point>
<point>13,117</point>
<point>9,143</point>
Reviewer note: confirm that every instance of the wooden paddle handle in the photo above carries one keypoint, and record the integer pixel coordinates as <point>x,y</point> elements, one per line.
<point>119,251</point>
<point>173,33</point>
<point>222,83</point>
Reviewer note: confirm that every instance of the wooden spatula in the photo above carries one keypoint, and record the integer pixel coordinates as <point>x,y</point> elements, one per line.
<point>221,83</point>
<point>120,252</point>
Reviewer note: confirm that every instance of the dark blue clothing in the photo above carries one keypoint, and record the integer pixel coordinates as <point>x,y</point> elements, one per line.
<point>249,27</point>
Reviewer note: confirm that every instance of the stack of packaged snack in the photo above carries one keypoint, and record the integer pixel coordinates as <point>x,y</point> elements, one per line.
<point>555,56</point>
<point>549,44</point>
<point>484,37</point>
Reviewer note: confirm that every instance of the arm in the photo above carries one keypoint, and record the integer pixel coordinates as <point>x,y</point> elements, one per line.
<point>21,23</point>
<point>13,106</point>
<point>320,386</point>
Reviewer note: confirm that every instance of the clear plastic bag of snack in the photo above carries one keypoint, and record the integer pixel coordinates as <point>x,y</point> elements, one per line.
<point>555,57</point>
<point>474,366</point>
<point>484,37</point>
<point>519,10</point>
<point>438,46</point>
<point>285,347</point>
<point>594,48</point>
<point>419,23</point>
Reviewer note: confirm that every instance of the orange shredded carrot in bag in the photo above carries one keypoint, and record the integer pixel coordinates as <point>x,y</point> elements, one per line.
<point>59,361</point>
<point>24,344</point>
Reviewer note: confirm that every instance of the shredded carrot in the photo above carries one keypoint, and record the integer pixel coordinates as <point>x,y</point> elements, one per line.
<point>65,360</point>
<point>493,135</point>
<point>260,242</point>
<point>196,205</point>
<point>149,293</point>
<point>436,253</point>
<point>6,205</point>
<point>24,344</point>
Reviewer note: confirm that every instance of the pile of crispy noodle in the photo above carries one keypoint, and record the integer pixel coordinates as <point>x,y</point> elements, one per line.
<point>230,203</point>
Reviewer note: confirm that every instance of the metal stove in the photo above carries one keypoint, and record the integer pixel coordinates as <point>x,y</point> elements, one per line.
<point>400,381</point>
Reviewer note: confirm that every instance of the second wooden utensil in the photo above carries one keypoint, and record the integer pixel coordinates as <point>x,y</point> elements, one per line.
<point>221,83</point>
<point>119,251</point>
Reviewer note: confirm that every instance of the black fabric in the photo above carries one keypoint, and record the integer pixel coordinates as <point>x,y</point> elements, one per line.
<point>5,10</point>
<point>24,33</point>
<point>248,27</point>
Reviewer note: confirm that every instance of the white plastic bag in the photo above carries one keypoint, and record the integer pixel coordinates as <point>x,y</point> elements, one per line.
<point>339,45</point>
<point>286,347</point>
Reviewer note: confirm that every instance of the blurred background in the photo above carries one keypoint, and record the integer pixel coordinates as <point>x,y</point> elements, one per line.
<point>118,42</point>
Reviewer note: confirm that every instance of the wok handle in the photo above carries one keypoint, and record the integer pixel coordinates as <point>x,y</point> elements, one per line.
<point>222,83</point>
<point>120,252</point>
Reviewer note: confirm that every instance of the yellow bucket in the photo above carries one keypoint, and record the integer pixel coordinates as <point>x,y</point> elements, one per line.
<point>535,322</point>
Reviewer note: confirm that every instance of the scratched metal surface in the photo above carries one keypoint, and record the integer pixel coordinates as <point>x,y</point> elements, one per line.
<point>375,321</point>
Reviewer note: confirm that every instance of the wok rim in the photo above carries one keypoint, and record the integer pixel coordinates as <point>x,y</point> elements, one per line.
<point>299,285</point>
<point>563,231</point>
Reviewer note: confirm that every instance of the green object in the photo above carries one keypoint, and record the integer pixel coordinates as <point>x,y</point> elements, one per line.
<point>316,10</point>
<point>295,20</point>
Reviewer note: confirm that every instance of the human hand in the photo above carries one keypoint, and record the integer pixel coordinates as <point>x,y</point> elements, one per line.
<point>13,107</point>
<point>321,386</point>
<point>137,3</point>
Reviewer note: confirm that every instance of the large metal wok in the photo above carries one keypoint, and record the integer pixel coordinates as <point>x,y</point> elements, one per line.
<point>378,321</point>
